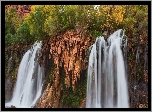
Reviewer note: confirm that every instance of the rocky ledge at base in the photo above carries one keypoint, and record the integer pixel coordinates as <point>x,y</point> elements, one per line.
<point>12,106</point>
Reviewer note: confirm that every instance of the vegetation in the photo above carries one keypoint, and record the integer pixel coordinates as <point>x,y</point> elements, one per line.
<point>48,20</point>
<point>72,97</point>
<point>45,22</point>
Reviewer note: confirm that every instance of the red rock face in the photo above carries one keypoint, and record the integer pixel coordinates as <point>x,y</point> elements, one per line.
<point>70,49</point>
<point>22,10</point>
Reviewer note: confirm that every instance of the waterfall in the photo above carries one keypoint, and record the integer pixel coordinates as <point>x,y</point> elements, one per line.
<point>29,80</point>
<point>106,78</point>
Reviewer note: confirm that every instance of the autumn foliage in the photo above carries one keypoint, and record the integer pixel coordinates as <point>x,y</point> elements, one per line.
<point>68,30</point>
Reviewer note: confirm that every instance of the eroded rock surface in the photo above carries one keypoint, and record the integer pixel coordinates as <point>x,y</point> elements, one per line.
<point>69,54</point>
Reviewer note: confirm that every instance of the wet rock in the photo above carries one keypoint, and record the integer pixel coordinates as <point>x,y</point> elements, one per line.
<point>83,103</point>
<point>138,93</point>
<point>9,85</point>
<point>71,51</point>
<point>68,54</point>
<point>12,106</point>
<point>143,106</point>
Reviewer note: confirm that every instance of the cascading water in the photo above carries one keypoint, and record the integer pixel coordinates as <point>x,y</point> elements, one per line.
<point>106,79</point>
<point>29,80</point>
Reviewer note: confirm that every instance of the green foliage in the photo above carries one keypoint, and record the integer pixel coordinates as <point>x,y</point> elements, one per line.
<point>72,97</point>
<point>12,22</point>
<point>10,39</point>
<point>95,33</point>
<point>36,21</point>
<point>49,20</point>
<point>23,34</point>
<point>6,61</point>
<point>6,57</point>
<point>137,20</point>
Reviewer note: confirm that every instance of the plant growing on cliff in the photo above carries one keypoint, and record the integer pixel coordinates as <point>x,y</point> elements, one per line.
<point>35,20</point>
<point>23,34</point>
<point>49,20</point>
<point>12,23</point>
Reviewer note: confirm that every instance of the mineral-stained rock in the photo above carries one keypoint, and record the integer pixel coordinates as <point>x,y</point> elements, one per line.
<point>83,103</point>
<point>143,106</point>
<point>69,49</point>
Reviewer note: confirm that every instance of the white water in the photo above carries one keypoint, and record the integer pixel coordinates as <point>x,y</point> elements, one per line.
<point>29,80</point>
<point>106,79</point>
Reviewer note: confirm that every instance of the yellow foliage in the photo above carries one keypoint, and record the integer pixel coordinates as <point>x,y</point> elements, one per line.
<point>118,14</point>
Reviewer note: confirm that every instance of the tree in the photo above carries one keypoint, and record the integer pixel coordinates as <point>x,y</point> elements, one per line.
<point>12,22</point>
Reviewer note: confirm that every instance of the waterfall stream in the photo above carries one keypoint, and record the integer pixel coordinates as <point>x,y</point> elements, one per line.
<point>29,80</point>
<point>106,79</point>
